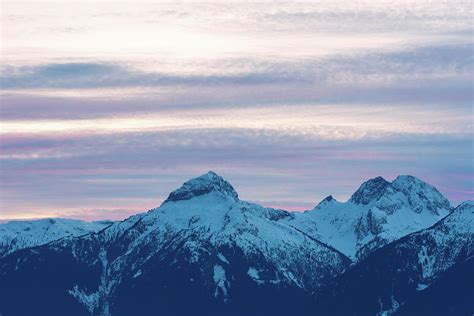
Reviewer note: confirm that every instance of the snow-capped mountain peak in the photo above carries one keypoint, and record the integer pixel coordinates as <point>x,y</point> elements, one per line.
<point>216,238</point>
<point>421,195</point>
<point>204,184</point>
<point>327,200</point>
<point>377,213</point>
<point>418,195</point>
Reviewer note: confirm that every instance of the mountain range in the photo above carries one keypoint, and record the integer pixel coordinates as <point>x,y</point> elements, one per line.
<point>394,248</point>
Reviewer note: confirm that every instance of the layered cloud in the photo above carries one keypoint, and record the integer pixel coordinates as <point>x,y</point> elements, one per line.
<point>138,170</point>
<point>418,65</point>
<point>106,108</point>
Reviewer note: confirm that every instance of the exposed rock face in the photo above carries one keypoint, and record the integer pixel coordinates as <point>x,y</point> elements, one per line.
<point>210,182</point>
<point>370,191</point>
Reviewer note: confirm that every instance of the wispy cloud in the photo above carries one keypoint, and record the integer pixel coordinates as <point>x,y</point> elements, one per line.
<point>106,108</point>
<point>330,122</point>
<point>369,69</point>
<point>95,75</point>
<point>122,172</point>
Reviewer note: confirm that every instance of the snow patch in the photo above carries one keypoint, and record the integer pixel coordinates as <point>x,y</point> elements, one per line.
<point>391,311</point>
<point>427,262</point>
<point>253,273</point>
<point>221,281</point>
<point>137,274</point>
<point>421,287</point>
<point>222,258</point>
<point>90,301</point>
<point>290,276</point>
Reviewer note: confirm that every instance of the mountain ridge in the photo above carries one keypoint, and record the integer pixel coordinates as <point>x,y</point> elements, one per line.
<point>369,192</point>
<point>376,214</point>
<point>221,252</point>
<point>413,263</point>
<point>17,234</point>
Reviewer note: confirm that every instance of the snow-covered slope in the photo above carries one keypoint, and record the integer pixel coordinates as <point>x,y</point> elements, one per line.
<point>444,244</point>
<point>206,222</point>
<point>15,235</point>
<point>379,212</point>
<point>202,234</point>
<point>231,257</point>
<point>398,273</point>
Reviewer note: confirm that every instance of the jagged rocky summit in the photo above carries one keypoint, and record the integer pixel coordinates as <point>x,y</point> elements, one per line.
<point>378,213</point>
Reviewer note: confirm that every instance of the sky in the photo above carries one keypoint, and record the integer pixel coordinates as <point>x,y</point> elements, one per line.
<point>106,107</point>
